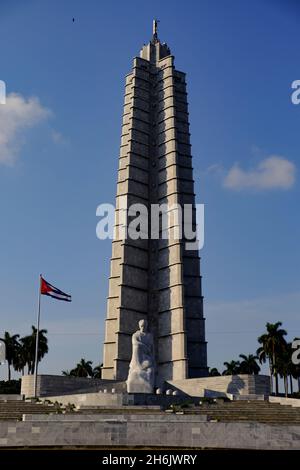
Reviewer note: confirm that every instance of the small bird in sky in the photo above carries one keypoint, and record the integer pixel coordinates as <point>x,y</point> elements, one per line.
<point>73,20</point>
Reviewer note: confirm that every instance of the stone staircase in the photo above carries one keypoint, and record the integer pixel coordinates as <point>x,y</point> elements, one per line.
<point>13,410</point>
<point>117,410</point>
<point>255,411</point>
<point>235,411</point>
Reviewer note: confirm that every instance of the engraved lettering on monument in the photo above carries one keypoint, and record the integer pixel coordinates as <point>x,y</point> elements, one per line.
<point>141,368</point>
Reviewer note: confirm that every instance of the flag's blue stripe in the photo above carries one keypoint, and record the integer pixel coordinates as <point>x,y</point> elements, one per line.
<point>67,299</point>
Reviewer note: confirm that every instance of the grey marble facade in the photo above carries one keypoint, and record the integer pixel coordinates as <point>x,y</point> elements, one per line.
<point>50,385</point>
<point>140,430</point>
<point>158,280</point>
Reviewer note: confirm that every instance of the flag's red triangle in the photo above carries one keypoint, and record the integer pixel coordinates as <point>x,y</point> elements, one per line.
<point>45,288</point>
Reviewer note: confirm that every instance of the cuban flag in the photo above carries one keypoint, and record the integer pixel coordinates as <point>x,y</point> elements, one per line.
<point>51,291</point>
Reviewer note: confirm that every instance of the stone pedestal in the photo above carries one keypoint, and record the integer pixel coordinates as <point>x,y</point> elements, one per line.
<point>135,385</point>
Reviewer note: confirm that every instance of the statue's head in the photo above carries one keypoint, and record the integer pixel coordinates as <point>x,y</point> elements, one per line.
<point>143,324</point>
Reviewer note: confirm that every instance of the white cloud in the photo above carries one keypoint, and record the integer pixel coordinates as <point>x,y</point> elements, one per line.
<point>17,115</point>
<point>216,168</point>
<point>58,138</point>
<point>274,172</point>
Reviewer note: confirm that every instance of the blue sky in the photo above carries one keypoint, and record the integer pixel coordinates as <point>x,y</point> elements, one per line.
<point>59,143</point>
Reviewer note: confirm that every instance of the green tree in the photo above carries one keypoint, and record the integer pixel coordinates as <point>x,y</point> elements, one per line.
<point>284,367</point>
<point>11,346</point>
<point>232,368</point>
<point>248,364</point>
<point>83,369</point>
<point>296,368</point>
<point>28,344</point>
<point>214,372</point>
<point>273,344</point>
<point>97,372</point>
<point>20,360</point>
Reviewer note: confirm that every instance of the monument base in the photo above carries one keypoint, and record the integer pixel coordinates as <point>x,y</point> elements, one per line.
<point>51,385</point>
<point>139,387</point>
<point>234,385</point>
<point>121,400</point>
<point>231,386</point>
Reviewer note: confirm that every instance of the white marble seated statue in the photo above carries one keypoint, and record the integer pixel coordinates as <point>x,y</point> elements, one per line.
<point>141,368</point>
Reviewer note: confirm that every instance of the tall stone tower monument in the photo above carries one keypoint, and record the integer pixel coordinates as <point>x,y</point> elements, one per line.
<point>155,279</point>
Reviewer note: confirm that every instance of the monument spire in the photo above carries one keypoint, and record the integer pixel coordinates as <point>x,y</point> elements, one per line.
<point>155,29</point>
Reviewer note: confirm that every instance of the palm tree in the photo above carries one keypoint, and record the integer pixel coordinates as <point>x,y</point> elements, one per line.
<point>249,364</point>
<point>83,369</point>
<point>232,368</point>
<point>296,375</point>
<point>285,366</point>
<point>11,347</point>
<point>28,353</point>
<point>29,342</point>
<point>97,372</point>
<point>287,369</point>
<point>292,368</point>
<point>214,372</point>
<point>20,360</point>
<point>273,344</point>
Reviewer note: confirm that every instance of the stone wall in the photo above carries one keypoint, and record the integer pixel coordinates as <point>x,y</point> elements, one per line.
<point>285,401</point>
<point>58,385</point>
<point>111,400</point>
<point>141,430</point>
<point>50,385</point>
<point>232,384</point>
<point>10,397</point>
<point>89,399</point>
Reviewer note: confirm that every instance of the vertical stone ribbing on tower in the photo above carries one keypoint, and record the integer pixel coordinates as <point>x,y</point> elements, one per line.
<point>193,299</point>
<point>155,279</point>
<point>128,283</point>
<point>172,344</point>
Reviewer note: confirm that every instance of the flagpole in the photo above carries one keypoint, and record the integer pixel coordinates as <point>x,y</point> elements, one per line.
<point>37,339</point>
